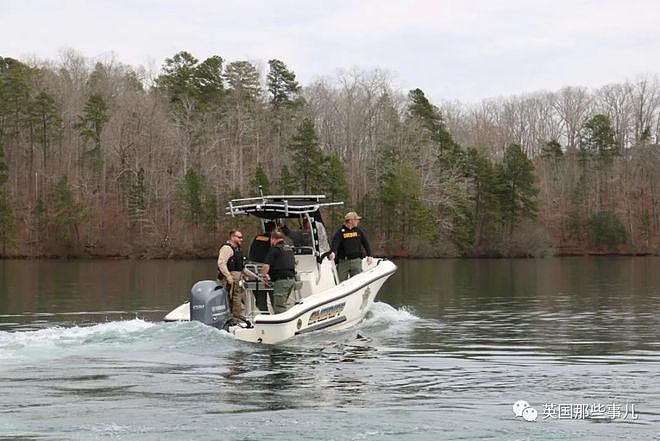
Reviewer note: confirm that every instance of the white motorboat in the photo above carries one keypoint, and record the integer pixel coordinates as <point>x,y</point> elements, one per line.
<point>322,301</point>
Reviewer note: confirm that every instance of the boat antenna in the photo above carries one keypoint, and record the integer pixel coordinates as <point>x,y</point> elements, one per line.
<point>261,193</point>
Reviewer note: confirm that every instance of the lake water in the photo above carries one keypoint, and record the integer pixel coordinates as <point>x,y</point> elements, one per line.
<point>447,349</point>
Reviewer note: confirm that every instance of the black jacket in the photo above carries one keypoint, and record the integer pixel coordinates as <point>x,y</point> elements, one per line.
<point>348,243</point>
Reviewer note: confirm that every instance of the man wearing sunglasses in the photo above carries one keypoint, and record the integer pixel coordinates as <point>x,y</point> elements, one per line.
<point>230,269</point>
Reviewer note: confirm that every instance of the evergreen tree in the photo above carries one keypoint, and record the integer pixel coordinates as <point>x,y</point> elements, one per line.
<point>282,85</point>
<point>198,205</point>
<point>178,77</point>
<point>64,213</point>
<point>90,126</point>
<point>190,195</point>
<point>46,122</point>
<point>14,97</point>
<point>599,139</point>
<point>473,222</point>
<point>287,184</point>
<point>306,158</point>
<point>517,184</point>
<point>334,185</point>
<point>260,179</point>
<point>184,78</point>
<point>430,118</point>
<point>209,81</point>
<point>552,149</point>
<point>402,208</point>
<point>243,80</point>
<point>606,230</point>
<point>598,143</point>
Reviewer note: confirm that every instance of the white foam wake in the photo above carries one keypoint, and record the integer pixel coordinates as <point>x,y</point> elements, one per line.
<point>56,340</point>
<point>59,334</point>
<point>382,313</point>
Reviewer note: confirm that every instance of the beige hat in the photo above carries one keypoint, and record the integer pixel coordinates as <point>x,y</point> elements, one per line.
<point>352,215</point>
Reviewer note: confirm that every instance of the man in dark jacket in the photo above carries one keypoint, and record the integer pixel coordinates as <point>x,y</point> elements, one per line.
<point>347,247</point>
<point>280,268</point>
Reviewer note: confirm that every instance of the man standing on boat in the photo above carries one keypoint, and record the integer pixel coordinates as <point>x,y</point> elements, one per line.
<point>280,268</point>
<point>230,270</point>
<point>347,245</point>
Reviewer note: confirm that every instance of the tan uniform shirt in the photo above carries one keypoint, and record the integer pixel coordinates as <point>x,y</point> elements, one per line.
<point>226,253</point>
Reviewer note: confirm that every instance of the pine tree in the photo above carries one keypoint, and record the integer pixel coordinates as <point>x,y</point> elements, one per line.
<point>243,80</point>
<point>599,138</point>
<point>65,213</point>
<point>46,121</point>
<point>306,158</point>
<point>260,180</point>
<point>517,184</point>
<point>282,85</point>
<point>90,126</point>
<point>184,78</point>
<point>287,184</point>
<point>430,118</point>
<point>402,208</point>
<point>190,194</point>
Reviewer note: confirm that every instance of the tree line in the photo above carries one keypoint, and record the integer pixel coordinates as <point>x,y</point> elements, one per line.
<point>98,158</point>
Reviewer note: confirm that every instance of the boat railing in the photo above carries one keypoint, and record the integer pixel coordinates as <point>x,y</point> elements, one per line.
<point>278,204</point>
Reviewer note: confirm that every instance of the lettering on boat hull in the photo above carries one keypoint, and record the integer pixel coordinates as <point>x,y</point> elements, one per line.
<point>326,313</point>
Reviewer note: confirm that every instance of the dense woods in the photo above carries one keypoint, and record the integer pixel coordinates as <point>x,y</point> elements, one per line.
<point>98,158</point>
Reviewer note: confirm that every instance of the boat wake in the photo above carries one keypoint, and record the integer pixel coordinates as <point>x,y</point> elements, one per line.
<point>126,336</point>
<point>137,335</point>
<point>382,313</point>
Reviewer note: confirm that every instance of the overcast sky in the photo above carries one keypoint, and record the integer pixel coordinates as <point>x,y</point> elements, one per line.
<point>451,49</point>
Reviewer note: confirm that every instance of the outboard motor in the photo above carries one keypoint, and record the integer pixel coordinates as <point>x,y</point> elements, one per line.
<point>209,304</point>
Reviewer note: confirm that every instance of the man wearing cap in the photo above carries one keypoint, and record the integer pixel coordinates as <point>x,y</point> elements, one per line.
<point>347,245</point>
<point>280,268</point>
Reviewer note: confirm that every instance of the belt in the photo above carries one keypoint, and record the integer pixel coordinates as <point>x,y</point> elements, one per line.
<point>350,258</point>
<point>284,278</point>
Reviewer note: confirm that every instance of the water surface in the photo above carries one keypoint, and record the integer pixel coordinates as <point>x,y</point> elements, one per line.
<point>444,353</point>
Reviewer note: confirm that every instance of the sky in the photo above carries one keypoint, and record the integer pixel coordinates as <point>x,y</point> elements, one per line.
<point>464,50</point>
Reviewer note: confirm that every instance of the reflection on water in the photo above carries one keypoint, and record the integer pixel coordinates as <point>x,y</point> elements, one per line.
<point>448,348</point>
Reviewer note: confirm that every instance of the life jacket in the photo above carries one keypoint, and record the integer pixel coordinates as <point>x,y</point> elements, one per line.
<point>284,264</point>
<point>235,262</point>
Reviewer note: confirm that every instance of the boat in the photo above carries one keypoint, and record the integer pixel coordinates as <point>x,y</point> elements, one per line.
<point>322,301</point>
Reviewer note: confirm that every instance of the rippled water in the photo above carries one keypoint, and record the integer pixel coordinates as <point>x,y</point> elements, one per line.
<point>443,354</point>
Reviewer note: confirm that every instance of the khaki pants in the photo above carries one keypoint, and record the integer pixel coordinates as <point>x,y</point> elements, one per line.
<point>236,294</point>
<point>348,268</point>
<point>283,295</point>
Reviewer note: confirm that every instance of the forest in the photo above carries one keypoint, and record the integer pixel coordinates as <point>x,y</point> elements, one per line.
<point>102,159</point>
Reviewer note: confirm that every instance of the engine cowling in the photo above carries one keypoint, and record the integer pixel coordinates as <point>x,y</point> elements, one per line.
<point>209,304</point>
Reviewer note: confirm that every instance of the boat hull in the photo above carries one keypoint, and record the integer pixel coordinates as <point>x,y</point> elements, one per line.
<point>339,307</point>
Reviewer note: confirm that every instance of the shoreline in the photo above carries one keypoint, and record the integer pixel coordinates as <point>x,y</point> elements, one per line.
<point>190,256</point>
